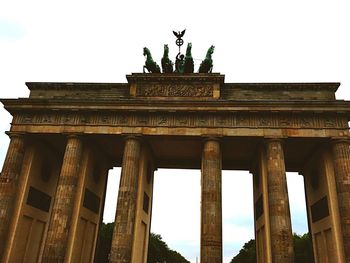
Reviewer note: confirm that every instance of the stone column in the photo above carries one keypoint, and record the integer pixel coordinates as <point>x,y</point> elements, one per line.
<point>280,223</point>
<point>124,228</point>
<point>8,183</point>
<point>341,159</point>
<point>211,212</point>
<point>57,236</point>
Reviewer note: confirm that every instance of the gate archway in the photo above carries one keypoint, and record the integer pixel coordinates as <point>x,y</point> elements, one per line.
<point>65,137</point>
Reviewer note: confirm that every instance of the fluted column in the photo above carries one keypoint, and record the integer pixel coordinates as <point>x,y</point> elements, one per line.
<point>341,159</point>
<point>8,178</point>
<point>123,233</point>
<point>57,236</point>
<point>280,223</point>
<point>211,212</point>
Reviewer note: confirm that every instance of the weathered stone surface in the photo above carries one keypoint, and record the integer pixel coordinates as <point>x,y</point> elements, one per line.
<point>279,91</point>
<point>341,157</point>
<point>184,86</point>
<point>191,120</point>
<point>228,91</point>
<point>8,183</point>
<point>56,241</point>
<point>77,91</point>
<point>211,210</point>
<point>173,112</point>
<point>280,223</point>
<point>121,250</point>
<point>175,90</point>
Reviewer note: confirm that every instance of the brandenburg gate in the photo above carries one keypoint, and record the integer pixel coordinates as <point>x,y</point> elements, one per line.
<point>66,136</point>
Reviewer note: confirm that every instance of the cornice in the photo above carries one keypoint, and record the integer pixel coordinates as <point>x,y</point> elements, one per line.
<point>332,86</point>
<point>73,85</point>
<point>296,86</point>
<point>338,106</point>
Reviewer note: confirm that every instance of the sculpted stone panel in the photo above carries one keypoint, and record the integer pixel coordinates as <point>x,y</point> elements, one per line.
<point>177,119</point>
<point>175,90</point>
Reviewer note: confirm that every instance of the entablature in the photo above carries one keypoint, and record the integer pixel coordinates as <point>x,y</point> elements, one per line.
<point>182,104</point>
<point>245,123</point>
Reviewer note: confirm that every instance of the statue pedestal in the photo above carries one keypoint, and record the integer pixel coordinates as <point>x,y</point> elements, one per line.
<point>176,86</point>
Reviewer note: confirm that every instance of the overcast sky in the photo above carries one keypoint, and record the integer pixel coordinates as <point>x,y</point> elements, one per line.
<point>102,41</point>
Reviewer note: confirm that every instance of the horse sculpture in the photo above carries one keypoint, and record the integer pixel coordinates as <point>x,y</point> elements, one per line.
<point>167,64</point>
<point>189,64</point>
<point>207,64</point>
<point>150,64</point>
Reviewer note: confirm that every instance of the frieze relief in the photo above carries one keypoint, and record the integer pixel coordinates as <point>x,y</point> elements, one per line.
<point>175,90</point>
<point>174,119</point>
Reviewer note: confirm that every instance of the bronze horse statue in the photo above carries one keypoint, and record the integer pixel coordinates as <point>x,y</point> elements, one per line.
<point>189,64</point>
<point>167,64</point>
<point>207,64</point>
<point>150,64</point>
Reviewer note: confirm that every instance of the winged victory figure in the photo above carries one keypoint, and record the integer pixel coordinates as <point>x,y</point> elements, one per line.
<point>179,34</point>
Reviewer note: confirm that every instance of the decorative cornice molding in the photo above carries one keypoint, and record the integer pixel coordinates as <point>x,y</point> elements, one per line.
<point>73,85</point>
<point>331,86</point>
<point>208,105</point>
<point>187,119</point>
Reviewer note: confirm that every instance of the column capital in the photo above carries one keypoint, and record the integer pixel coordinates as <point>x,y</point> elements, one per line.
<point>335,140</point>
<point>12,134</point>
<point>74,135</point>
<point>274,139</point>
<point>211,138</point>
<point>137,137</point>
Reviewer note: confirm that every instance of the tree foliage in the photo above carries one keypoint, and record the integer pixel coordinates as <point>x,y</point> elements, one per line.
<point>158,250</point>
<point>247,254</point>
<point>104,243</point>
<point>302,251</point>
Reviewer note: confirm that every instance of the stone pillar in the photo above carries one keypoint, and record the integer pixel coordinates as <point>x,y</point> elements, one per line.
<point>8,183</point>
<point>211,212</point>
<point>280,223</point>
<point>341,159</point>
<point>124,228</point>
<point>57,236</point>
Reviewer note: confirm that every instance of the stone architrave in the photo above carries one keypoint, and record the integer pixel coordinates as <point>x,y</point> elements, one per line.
<point>8,178</point>
<point>280,223</point>
<point>341,159</point>
<point>57,236</point>
<point>123,233</point>
<point>211,210</point>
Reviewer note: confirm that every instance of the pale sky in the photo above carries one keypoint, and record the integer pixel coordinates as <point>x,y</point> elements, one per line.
<point>102,41</point>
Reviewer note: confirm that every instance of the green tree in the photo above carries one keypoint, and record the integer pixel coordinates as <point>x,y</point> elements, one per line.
<point>104,243</point>
<point>247,254</point>
<point>302,250</point>
<point>158,250</point>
